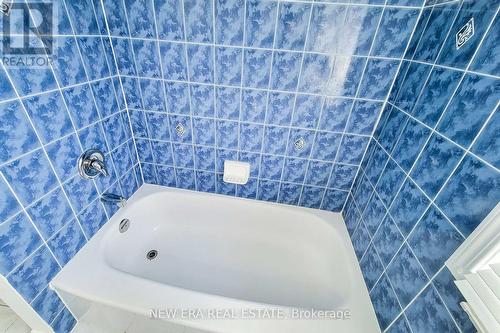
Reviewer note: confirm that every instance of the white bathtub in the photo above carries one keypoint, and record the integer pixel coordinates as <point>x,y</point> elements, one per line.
<point>252,260</point>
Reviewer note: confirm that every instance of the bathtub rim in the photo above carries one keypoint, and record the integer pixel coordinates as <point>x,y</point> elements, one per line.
<point>71,280</point>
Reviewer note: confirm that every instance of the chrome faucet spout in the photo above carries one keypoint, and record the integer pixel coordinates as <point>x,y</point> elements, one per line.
<point>114,198</point>
<point>99,166</point>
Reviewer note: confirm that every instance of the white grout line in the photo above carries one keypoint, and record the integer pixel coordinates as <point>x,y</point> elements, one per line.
<point>299,79</point>
<point>162,73</point>
<point>264,128</point>
<point>137,80</point>
<point>432,202</point>
<point>121,87</point>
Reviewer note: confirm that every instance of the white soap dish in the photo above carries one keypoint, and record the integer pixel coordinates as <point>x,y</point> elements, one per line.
<point>236,172</point>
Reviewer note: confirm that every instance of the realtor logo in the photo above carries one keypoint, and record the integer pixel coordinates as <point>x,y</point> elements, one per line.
<point>465,33</point>
<point>27,33</point>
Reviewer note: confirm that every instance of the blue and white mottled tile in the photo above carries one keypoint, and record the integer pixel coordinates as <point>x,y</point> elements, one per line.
<point>280,108</point>
<point>294,170</point>
<point>200,60</point>
<point>199,25</point>
<point>33,275</point>
<point>227,103</point>
<point>166,176</point>
<point>352,148</point>
<point>474,183</point>
<point>49,115</point>
<point>433,240</point>
<point>229,21</point>
<point>293,21</point>
<point>275,139</point>
<point>251,136</point>
<point>105,97</point>
<point>316,70</point>
<point>268,190</point>
<point>387,240</point>
<point>185,178</point>
<point>93,57</point>
<point>363,117</point>
<point>227,134</point>
<point>81,105</point>
<point>286,67</point>
<point>158,126</point>
<point>183,155</point>
<point>146,58</point>
<point>326,146</point>
<point>173,60</point>
<point>30,176</point>
<point>80,193</point>
<point>311,197</point>
<point>162,152</point>
<point>260,23</point>
<point>271,167</point>
<point>318,173</point>
<point>67,242</point>
<point>475,99</point>
<point>92,218</point>
<point>117,20</point>
<point>428,314</point>
<point>346,76</point>
<point>326,28</point>
<point>371,267</point>
<point>67,64</point>
<point>63,154</point>
<point>123,55</point>
<point>256,67</point>
<point>17,136</point>
<point>487,145</point>
<point>169,19</point>
<point>177,95</point>
<point>342,176</point>
<point>408,207</point>
<point>359,29</point>
<point>19,239</point>
<point>289,193</point>
<point>47,304</point>
<point>444,283</point>
<point>140,18</point>
<point>435,164</point>
<point>307,111</point>
<point>406,275</point>
<point>248,190</point>
<point>205,181</point>
<point>152,94</point>
<point>410,144</point>
<point>335,114</point>
<point>379,74</point>
<point>228,62</point>
<point>394,32</point>
<point>204,131</point>
<point>253,107</point>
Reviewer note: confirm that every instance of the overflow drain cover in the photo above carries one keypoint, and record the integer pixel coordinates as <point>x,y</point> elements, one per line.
<point>152,254</point>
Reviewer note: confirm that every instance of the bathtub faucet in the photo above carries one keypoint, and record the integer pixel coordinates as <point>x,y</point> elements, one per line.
<point>113,198</point>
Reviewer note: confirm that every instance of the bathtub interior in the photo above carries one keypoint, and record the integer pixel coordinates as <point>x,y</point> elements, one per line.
<point>234,248</point>
<point>369,108</point>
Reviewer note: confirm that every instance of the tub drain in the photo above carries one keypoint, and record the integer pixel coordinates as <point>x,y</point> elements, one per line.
<point>152,254</point>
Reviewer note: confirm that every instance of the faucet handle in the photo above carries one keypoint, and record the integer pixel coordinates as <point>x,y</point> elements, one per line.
<point>91,164</point>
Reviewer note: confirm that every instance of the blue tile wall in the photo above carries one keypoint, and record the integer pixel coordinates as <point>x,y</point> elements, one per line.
<point>48,117</point>
<point>209,80</point>
<point>431,172</point>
